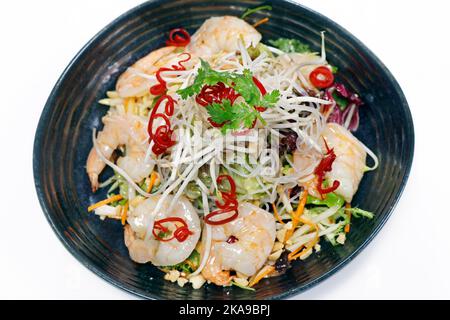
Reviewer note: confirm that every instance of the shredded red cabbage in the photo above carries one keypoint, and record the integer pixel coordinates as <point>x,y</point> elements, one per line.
<point>341,113</point>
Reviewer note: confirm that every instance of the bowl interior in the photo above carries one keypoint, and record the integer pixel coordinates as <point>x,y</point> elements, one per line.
<point>63,141</point>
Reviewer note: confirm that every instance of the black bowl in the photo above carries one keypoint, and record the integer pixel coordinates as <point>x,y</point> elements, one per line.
<point>63,140</point>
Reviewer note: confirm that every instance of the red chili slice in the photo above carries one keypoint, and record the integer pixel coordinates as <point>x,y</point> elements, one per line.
<point>220,222</point>
<point>260,86</point>
<point>159,227</point>
<point>158,89</point>
<point>321,77</point>
<point>218,92</point>
<point>178,37</point>
<point>161,87</point>
<point>162,137</point>
<point>229,205</point>
<point>169,106</point>
<point>324,166</point>
<point>230,181</point>
<point>181,233</point>
<point>215,124</point>
<point>229,202</point>
<point>180,63</point>
<point>263,92</point>
<point>215,94</point>
<point>322,191</point>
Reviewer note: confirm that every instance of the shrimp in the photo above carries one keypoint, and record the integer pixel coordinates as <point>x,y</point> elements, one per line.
<point>222,34</point>
<point>306,164</point>
<point>349,166</point>
<point>119,129</point>
<point>140,241</point>
<point>131,84</point>
<point>215,35</point>
<point>350,163</point>
<point>213,271</point>
<point>254,234</point>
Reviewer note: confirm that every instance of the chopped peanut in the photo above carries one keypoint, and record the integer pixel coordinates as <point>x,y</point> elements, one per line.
<point>182,281</point>
<point>197,281</point>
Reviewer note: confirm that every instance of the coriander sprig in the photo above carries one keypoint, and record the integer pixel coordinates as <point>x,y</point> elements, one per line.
<point>239,114</point>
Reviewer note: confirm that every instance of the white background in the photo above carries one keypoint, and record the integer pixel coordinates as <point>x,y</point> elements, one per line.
<point>410,258</point>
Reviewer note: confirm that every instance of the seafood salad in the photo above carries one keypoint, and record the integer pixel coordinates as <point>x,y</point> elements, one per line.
<point>233,158</point>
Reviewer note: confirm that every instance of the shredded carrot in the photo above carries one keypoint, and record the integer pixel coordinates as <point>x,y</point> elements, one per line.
<point>152,181</point>
<point>117,197</point>
<point>126,103</point>
<point>124,214</point>
<point>260,22</point>
<point>309,247</point>
<point>299,252</point>
<point>349,214</point>
<point>296,216</point>
<point>275,213</point>
<point>261,275</point>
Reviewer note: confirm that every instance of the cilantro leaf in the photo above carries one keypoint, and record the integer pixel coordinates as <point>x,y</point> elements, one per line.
<point>221,113</point>
<point>270,99</point>
<point>241,83</point>
<point>245,114</point>
<point>244,85</point>
<point>206,75</point>
<point>290,45</point>
<point>232,116</point>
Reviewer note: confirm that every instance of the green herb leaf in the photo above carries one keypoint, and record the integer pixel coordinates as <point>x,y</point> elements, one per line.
<point>270,99</point>
<point>206,75</point>
<point>221,113</point>
<point>187,266</point>
<point>242,287</point>
<point>331,200</point>
<point>253,10</point>
<point>358,213</point>
<point>341,101</point>
<point>241,83</point>
<point>155,100</point>
<point>117,203</point>
<point>232,116</point>
<point>290,45</point>
<point>163,234</point>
